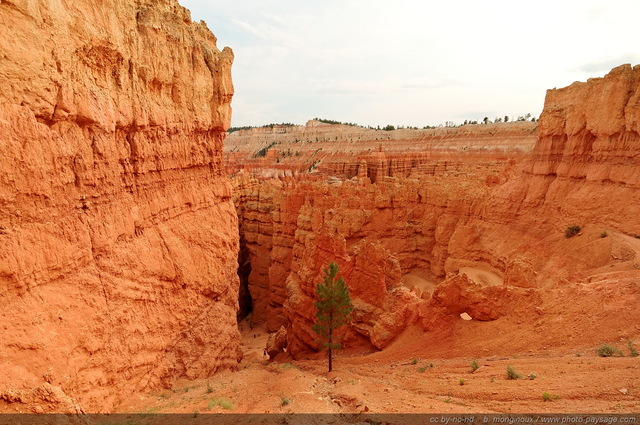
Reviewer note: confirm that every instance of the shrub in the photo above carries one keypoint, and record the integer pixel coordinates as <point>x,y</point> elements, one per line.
<point>422,369</point>
<point>512,373</point>
<point>209,388</point>
<point>604,234</point>
<point>572,231</point>
<point>474,365</point>
<point>414,361</point>
<point>532,376</point>
<point>284,400</point>
<point>226,404</point>
<point>632,350</point>
<point>462,381</point>
<point>606,350</point>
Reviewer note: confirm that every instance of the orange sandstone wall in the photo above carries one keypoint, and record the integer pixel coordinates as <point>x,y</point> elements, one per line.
<point>484,235</point>
<point>118,235</point>
<point>586,160</point>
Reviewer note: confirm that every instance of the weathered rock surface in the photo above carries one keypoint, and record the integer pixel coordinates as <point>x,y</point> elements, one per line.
<point>347,151</point>
<point>483,235</point>
<point>585,162</point>
<point>277,342</point>
<point>118,236</point>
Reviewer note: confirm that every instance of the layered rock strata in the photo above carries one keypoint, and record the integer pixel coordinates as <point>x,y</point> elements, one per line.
<point>118,236</point>
<point>348,151</point>
<point>486,241</point>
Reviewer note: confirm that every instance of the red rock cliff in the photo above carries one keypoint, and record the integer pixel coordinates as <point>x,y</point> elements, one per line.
<point>485,236</point>
<point>118,237</point>
<point>586,159</point>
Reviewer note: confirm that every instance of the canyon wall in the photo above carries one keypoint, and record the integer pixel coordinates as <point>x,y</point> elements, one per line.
<point>347,151</point>
<point>389,223</point>
<point>118,235</point>
<point>585,163</point>
<point>419,242</point>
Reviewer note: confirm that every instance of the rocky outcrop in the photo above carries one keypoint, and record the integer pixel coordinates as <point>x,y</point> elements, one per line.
<point>381,235</point>
<point>277,343</point>
<point>118,236</point>
<point>585,161</point>
<point>420,237</point>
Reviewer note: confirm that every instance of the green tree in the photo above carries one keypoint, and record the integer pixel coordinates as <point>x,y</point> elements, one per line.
<point>333,309</point>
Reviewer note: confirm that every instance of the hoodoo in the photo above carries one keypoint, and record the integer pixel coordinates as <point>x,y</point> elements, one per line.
<point>429,224</point>
<point>130,245</point>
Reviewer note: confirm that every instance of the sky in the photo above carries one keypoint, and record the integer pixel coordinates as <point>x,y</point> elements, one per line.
<point>413,62</point>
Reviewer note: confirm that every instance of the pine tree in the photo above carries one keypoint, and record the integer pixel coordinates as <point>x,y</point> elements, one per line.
<point>333,309</point>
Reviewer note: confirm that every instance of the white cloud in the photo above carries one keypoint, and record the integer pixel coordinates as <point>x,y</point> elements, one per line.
<point>269,33</point>
<point>606,64</point>
<point>413,62</point>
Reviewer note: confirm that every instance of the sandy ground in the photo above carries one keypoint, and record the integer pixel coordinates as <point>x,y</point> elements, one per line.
<point>403,378</point>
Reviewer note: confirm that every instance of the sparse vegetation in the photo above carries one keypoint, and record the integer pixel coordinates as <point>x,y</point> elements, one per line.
<point>313,166</point>
<point>336,122</point>
<point>263,152</point>
<point>209,388</point>
<point>225,403</point>
<point>572,231</point>
<point>284,401</point>
<point>462,381</point>
<point>474,365</point>
<point>632,350</point>
<point>414,361</point>
<point>512,373</point>
<point>547,396</point>
<point>423,369</point>
<point>532,376</point>
<point>606,350</point>
<point>249,127</point>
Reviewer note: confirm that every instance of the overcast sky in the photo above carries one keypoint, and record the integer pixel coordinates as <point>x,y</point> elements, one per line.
<point>413,62</point>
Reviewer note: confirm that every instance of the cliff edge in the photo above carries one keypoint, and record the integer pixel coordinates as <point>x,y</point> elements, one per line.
<point>118,236</point>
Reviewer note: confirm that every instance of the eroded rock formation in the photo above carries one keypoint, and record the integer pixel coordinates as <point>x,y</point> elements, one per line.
<point>118,236</point>
<point>346,151</point>
<point>390,239</point>
<point>484,235</point>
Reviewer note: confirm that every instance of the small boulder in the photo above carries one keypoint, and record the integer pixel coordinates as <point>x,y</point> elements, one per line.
<point>277,342</point>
